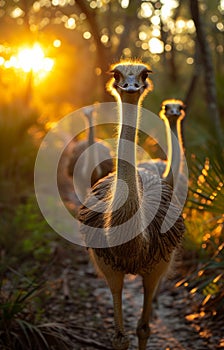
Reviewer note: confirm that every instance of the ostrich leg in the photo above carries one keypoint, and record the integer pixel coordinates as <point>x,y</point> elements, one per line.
<point>115,281</point>
<point>150,283</point>
<point>120,340</point>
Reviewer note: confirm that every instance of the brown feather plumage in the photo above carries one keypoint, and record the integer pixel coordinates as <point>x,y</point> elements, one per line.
<point>143,251</point>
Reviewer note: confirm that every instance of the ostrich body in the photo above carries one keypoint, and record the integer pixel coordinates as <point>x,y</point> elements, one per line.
<point>120,205</point>
<point>172,113</point>
<point>95,164</point>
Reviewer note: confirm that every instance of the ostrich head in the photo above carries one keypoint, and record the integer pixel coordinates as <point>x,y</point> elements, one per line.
<point>130,80</point>
<point>172,110</point>
<point>88,112</point>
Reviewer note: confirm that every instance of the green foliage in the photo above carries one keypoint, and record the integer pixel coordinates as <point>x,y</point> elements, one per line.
<point>23,230</point>
<point>206,204</point>
<point>37,233</point>
<point>26,233</point>
<point>206,282</point>
<point>17,153</point>
<point>207,181</point>
<point>198,227</point>
<point>19,308</point>
<point>21,314</point>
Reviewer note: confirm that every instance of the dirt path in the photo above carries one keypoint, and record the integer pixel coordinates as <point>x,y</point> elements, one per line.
<point>84,300</point>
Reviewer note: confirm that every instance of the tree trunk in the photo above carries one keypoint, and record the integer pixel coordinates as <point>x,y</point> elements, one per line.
<point>102,51</point>
<point>131,24</point>
<point>170,57</point>
<point>194,79</point>
<point>209,75</point>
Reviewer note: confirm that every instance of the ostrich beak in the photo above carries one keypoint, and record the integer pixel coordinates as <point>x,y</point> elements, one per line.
<point>130,85</point>
<point>174,111</point>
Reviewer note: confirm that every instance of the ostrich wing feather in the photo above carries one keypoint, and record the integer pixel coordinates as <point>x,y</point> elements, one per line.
<point>143,251</point>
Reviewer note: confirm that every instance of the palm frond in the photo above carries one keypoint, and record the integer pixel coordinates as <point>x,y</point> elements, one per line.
<point>206,191</point>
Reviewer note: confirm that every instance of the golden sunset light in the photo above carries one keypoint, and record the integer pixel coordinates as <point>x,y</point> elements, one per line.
<point>111,174</point>
<point>30,59</point>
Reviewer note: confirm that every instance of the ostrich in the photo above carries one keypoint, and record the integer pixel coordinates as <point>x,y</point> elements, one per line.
<point>122,217</point>
<point>96,162</point>
<point>172,113</point>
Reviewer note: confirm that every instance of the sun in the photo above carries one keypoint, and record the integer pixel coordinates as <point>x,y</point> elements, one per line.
<point>156,46</point>
<point>34,59</point>
<point>31,59</point>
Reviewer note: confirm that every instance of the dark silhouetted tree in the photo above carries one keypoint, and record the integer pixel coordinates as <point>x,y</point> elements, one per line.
<point>209,74</point>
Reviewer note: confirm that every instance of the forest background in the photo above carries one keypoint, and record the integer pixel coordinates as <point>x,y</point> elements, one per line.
<point>54,59</point>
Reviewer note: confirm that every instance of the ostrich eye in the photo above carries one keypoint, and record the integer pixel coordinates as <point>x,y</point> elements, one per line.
<point>116,76</point>
<point>144,76</point>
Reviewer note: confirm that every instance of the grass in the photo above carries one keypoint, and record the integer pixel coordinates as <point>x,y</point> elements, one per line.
<point>20,323</point>
<point>19,141</point>
<point>18,310</point>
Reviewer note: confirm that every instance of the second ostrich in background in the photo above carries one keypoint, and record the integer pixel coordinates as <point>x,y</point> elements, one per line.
<point>172,113</point>
<point>124,214</point>
<point>94,164</point>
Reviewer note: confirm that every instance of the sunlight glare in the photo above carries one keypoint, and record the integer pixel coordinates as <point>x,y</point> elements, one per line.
<point>220,26</point>
<point>168,47</point>
<point>156,32</point>
<point>33,59</point>
<point>167,7</point>
<point>146,10</point>
<point>180,25</point>
<point>124,4</point>
<point>87,35</point>
<point>190,26</point>
<point>93,4</point>
<point>57,43</point>
<point>104,38</point>
<point>155,20</point>
<point>156,46</point>
<point>119,29</point>
<point>36,6</point>
<point>142,35</point>
<point>70,23</point>
<point>17,12</point>
<point>2,60</point>
<point>59,2</point>
<point>221,5</point>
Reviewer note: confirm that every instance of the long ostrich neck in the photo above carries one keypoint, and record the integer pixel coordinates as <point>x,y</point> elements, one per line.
<point>91,132</point>
<point>126,163</point>
<point>180,139</point>
<point>126,197</point>
<point>91,158</point>
<point>173,133</point>
<point>126,155</point>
